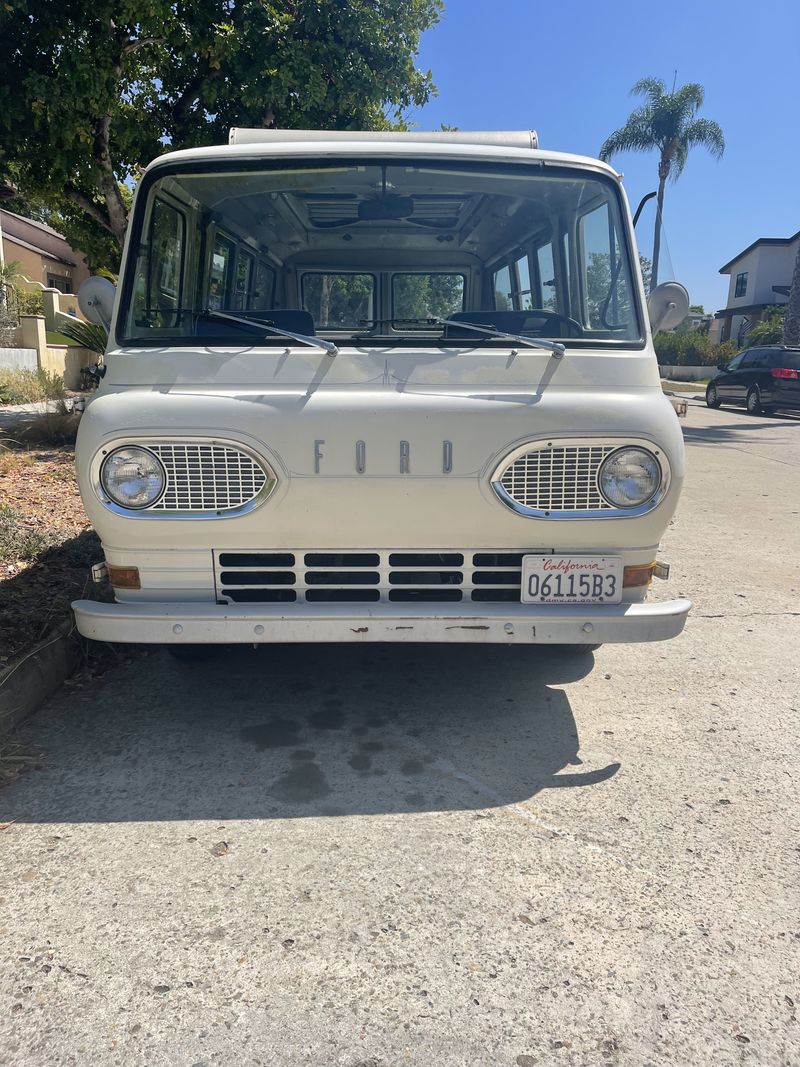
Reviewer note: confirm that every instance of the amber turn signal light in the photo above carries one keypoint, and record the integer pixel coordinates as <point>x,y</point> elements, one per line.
<point>638,574</point>
<point>124,577</point>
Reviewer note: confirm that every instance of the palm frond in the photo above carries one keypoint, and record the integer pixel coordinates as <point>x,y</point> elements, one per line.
<point>635,136</point>
<point>707,134</point>
<point>653,88</point>
<point>88,334</point>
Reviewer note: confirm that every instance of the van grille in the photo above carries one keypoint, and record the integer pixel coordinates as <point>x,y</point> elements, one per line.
<point>207,477</point>
<point>411,577</point>
<point>557,479</point>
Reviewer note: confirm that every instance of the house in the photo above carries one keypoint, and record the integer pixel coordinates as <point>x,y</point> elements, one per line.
<point>760,276</point>
<point>42,253</point>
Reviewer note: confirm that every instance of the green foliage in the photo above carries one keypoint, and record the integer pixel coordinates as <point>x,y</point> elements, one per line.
<point>18,541</point>
<point>29,386</point>
<point>769,330</point>
<point>89,92</point>
<point>88,334</point>
<point>422,296</point>
<point>691,349</point>
<point>29,303</point>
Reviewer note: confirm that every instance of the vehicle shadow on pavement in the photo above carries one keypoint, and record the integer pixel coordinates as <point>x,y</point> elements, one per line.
<point>307,730</point>
<point>734,432</point>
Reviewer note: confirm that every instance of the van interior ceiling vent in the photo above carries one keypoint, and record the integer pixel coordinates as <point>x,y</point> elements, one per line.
<point>499,138</point>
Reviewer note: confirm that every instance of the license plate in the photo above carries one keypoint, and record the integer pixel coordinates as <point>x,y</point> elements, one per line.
<point>571,579</point>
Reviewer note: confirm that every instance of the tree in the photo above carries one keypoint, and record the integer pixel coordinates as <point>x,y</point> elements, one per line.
<point>769,329</point>
<point>89,92</point>
<point>791,323</point>
<point>665,122</point>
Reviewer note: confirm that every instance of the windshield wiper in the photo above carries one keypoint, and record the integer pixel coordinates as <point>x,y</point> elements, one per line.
<point>555,347</point>
<point>269,327</point>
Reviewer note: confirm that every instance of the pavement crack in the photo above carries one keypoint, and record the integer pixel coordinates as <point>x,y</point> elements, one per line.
<point>749,615</point>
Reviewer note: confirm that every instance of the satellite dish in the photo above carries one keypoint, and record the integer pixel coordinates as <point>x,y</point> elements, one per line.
<point>668,306</point>
<point>96,300</point>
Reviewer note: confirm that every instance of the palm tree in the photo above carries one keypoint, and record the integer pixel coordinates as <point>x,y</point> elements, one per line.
<point>666,122</point>
<point>791,322</point>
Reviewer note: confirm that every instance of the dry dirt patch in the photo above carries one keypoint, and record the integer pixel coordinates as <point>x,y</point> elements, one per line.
<point>46,543</point>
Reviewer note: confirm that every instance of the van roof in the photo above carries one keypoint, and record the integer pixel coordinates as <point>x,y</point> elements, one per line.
<point>335,144</point>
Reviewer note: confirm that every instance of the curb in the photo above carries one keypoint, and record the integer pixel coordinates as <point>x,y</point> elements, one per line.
<point>25,685</point>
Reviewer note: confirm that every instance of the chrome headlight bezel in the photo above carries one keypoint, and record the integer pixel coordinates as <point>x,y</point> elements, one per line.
<point>147,457</point>
<point>613,444</point>
<point>643,500</point>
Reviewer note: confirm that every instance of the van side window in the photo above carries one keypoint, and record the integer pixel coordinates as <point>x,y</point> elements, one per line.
<point>523,292</point>
<point>262,295</point>
<point>220,274</point>
<point>245,262</point>
<point>166,275</point>
<point>547,277</point>
<point>502,290</point>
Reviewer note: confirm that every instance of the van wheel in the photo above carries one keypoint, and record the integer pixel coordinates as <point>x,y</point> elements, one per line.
<point>754,401</point>
<point>712,397</point>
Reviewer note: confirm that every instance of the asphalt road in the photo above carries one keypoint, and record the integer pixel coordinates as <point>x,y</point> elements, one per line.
<point>380,856</point>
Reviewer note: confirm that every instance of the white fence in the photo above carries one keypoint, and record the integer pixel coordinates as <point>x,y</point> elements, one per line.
<point>18,359</point>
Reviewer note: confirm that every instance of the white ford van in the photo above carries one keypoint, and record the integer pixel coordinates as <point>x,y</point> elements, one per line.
<point>380,387</point>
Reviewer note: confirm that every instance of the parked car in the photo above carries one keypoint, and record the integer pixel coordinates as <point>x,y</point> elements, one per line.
<point>763,379</point>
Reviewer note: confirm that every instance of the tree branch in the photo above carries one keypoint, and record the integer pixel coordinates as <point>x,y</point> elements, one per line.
<point>132,46</point>
<point>88,206</point>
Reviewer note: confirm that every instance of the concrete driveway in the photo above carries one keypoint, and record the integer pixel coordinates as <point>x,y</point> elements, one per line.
<point>380,856</point>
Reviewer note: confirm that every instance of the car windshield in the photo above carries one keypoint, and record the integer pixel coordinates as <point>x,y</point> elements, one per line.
<point>353,250</point>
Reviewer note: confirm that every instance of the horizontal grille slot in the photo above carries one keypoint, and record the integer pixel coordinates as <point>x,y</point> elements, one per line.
<point>207,477</point>
<point>426,578</point>
<point>261,596</point>
<point>342,578</point>
<point>342,559</point>
<point>495,596</point>
<point>256,559</point>
<point>557,478</point>
<point>349,596</point>
<point>424,595</point>
<point>425,559</point>
<point>497,559</point>
<point>258,578</point>
<point>497,577</point>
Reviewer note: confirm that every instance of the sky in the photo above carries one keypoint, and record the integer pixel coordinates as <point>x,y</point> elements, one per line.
<point>566,69</point>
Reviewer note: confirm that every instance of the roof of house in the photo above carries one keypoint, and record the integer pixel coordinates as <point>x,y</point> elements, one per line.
<point>759,241</point>
<point>37,237</point>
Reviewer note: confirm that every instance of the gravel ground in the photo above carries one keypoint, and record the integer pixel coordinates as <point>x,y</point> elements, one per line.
<point>375,856</point>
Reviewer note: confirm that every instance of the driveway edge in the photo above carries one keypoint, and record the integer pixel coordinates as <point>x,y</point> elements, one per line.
<point>26,684</point>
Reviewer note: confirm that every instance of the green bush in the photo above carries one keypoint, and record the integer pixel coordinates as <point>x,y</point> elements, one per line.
<point>30,386</point>
<point>29,303</point>
<point>691,349</point>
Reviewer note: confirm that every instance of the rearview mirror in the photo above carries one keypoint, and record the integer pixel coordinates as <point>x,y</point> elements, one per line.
<point>668,306</point>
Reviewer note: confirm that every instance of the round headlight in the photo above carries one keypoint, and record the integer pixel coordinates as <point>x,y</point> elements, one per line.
<point>630,477</point>
<point>133,477</point>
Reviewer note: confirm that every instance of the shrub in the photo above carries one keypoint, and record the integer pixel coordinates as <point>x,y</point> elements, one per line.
<point>89,334</point>
<point>17,541</point>
<point>30,386</point>
<point>691,349</point>
<point>29,303</point>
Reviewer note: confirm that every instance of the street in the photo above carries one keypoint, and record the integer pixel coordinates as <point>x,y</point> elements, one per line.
<point>372,856</point>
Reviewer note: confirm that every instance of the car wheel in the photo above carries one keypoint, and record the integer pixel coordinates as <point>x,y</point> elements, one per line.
<point>754,401</point>
<point>712,397</point>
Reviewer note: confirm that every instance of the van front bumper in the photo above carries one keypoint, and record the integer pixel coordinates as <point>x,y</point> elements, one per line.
<point>185,623</point>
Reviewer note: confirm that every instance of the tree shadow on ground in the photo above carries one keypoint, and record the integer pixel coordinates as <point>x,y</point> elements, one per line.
<point>308,730</point>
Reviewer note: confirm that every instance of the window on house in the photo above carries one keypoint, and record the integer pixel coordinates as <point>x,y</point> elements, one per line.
<point>741,284</point>
<point>56,281</point>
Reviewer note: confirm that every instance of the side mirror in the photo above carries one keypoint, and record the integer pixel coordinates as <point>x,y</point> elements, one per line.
<point>668,306</point>
<point>96,300</point>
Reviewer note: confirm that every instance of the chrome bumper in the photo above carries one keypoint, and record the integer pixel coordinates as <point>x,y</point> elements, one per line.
<point>184,623</point>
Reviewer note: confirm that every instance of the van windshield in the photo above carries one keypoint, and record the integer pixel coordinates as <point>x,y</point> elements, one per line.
<point>362,249</point>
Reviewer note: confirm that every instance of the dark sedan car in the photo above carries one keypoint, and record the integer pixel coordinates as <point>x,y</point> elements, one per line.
<point>763,379</point>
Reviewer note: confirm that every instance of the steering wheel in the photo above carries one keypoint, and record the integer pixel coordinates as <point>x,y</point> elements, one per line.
<point>553,317</point>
